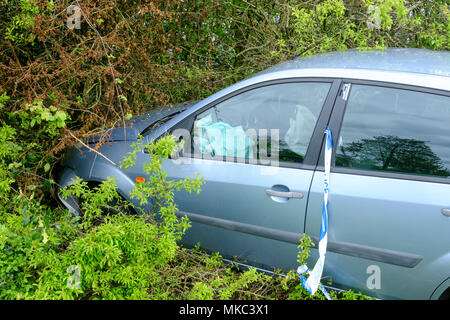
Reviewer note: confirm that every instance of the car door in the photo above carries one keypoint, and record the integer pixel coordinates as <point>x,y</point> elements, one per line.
<point>389,227</point>
<point>253,150</point>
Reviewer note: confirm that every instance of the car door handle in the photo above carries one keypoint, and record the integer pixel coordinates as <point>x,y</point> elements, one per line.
<point>446,212</point>
<point>281,194</point>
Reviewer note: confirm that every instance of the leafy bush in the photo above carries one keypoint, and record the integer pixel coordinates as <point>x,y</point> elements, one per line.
<point>332,25</point>
<point>183,50</point>
<point>196,275</point>
<point>117,259</point>
<point>31,238</point>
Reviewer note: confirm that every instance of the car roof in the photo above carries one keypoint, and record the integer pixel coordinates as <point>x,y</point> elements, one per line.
<point>417,67</point>
<point>408,60</point>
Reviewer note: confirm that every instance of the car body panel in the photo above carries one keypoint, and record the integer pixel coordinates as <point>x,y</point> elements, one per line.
<point>392,60</point>
<point>89,166</point>
<point>236,188</point>
<point>441,290</point>
<point>391,214</point>
<point>137,124</point>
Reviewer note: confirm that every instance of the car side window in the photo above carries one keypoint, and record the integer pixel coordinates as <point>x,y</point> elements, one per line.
<point>395,130</point>
<point>266,123</point>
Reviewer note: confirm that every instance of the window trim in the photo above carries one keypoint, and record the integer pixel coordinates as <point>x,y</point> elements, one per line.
<point>313,151</point>
<point>336,121</point>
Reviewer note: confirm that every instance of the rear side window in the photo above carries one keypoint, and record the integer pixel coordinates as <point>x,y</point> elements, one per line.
<point>395,130</point>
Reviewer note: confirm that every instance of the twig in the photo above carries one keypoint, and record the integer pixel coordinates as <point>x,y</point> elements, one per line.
<point>109,65</point>
<point>91,149</point>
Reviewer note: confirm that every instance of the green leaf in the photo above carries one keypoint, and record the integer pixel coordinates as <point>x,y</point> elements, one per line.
<point>46,115</point>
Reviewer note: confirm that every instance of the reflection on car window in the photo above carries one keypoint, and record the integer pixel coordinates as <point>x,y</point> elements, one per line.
<point>395,130</point>
<point>276,121</point>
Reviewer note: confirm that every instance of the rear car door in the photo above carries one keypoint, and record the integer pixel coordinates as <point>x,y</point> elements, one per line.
<point>253,150</point>
<point>389,192</point>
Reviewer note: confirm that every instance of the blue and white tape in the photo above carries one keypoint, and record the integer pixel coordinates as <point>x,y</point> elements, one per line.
<point>313,282</point>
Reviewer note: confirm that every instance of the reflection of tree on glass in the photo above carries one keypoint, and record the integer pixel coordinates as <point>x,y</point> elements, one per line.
<point>391,153</point>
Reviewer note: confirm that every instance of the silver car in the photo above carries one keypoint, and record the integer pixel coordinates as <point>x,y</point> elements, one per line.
<point>259,145</point>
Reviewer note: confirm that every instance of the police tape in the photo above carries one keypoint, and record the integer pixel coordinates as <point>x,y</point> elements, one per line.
<point>304,269</point>
<point>312,283</point>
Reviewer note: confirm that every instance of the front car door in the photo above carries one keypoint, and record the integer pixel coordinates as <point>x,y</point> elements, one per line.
<point>253,150</point>
<point>389,230</point>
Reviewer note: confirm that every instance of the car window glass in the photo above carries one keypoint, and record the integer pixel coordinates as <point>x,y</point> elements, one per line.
<point>395,130</point>
<point>275,121</point>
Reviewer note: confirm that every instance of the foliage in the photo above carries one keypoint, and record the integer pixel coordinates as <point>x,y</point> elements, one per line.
<point>114,260</point>
<point>157,187</point>
<point>332,25</point>
<point>196,275</point>
<point>95,201</point>
<point>8,151</point>
<point>22,20</point>
<point>117,259</point>
<point>31,237</point>
<point>35,113</point>
<point>26,136</point>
